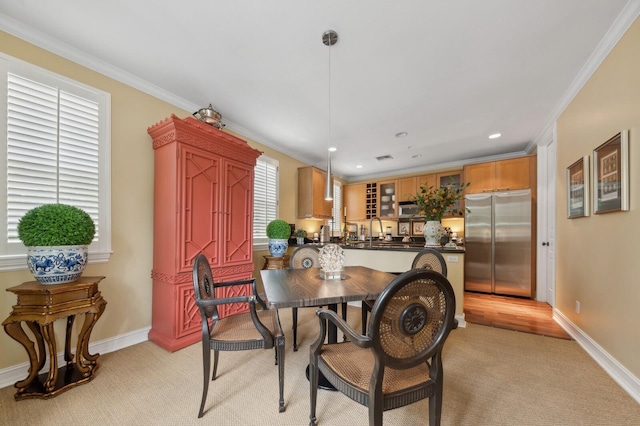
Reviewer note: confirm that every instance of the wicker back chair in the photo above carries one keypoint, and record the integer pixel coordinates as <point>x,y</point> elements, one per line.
<point>305,257</point>
<point>429,259</point>
<point>400,360</point>
<point>255,329</point>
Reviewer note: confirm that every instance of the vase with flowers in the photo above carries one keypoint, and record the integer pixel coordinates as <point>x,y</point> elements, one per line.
<point>434,203</point>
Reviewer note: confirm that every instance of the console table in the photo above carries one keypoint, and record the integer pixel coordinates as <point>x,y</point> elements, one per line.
<point>38,307</point>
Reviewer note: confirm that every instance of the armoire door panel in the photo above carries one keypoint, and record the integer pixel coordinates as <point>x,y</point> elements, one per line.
<point>238,247</point>
<point>201,210</point>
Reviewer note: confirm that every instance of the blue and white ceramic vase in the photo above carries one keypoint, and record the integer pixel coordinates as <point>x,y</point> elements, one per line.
<point>57,264</point>
<point>278,247</point>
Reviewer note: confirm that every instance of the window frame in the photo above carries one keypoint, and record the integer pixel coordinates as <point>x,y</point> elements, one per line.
<point>261,242</point>
<point>13,255</point>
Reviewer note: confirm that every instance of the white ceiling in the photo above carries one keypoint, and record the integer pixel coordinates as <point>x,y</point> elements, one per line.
<point>449,73</point>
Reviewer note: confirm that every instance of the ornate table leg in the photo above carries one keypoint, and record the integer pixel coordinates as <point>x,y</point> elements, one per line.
<point>42,355</point>
<point>15,331</point>
<point>68,356</point>
<point>85,362</point>
<point>50,338</point>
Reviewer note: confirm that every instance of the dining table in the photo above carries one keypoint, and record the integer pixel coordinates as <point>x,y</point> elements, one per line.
<point>288,288</point>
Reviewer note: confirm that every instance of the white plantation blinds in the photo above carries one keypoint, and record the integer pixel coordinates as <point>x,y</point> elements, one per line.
<point>52,150</point>
<point>265,197</point>
<point>57,151</point>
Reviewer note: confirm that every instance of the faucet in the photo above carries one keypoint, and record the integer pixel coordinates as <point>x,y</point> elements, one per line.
<point>371,228</point>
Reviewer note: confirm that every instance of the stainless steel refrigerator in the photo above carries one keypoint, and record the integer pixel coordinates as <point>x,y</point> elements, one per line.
<point>498,235</point>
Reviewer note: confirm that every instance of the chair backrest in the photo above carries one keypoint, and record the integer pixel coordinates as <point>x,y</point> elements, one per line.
<point>411,318</point>
<point>430,259</point>
<point>305,257</point>
<point>203,285</point>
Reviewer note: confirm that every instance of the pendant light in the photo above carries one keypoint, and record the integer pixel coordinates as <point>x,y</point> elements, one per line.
<point>329,38</point>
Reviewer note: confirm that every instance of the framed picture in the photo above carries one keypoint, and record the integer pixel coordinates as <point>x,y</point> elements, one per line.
<point>417,228</point>
<point>404,228</point>
<point>611,175</point>
<point>578,188</point>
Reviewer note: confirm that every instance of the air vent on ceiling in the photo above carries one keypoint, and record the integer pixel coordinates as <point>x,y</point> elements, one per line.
<point>384,157</point>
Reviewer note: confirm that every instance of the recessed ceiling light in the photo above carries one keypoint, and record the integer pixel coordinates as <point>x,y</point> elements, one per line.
<point>401,134</point>
<point>359,166</point>
<point>495,136</point>
<point>416,156</point>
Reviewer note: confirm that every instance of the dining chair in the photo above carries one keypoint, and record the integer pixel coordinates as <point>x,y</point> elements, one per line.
<point>399,361</point>
<point>305,257</point>
<point>255,329</point>
<point>428,258</point>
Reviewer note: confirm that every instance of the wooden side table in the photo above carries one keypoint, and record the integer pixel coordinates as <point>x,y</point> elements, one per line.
<point>271,262</point>
<point>38,307</point>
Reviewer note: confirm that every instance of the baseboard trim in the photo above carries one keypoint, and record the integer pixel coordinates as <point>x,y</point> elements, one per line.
<point>9,376</point>
<point>622,376</point>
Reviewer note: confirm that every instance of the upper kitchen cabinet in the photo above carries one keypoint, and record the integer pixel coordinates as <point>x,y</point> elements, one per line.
<point>387,204</point>
<point>453,178</point>
<point>355,196</point>
<point>503,175</point>
<point>407,188</point>
<point>311,202</point>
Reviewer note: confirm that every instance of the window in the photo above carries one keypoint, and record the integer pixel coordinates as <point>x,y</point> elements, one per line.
<point>265,198</point>
<point>56,150</point>
<point>336,211</point>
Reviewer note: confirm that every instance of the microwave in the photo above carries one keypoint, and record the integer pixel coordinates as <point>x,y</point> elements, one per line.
<point>408,209</point>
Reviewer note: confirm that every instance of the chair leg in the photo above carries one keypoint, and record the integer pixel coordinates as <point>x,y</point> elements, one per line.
<point>215,364</point>
<point>313,388</point>
<point>364,319</point>
<point>344,317</point>
<point>294,314</point>
<point>206,366</point>
<point>280,356</point>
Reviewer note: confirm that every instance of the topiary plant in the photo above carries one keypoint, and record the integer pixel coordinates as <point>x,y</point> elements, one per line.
<point>300,233</point>
<point>56,225</point>
<point>278,229</point>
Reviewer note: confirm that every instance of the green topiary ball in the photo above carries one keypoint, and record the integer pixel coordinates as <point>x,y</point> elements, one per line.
<point>278,229</point>
<point>56,225</point>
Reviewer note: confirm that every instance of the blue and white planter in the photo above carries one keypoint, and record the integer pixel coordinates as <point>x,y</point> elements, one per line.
<point>278,247</point>
<point>57,264</point>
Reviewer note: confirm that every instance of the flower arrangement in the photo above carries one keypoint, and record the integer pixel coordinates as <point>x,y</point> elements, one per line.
<point>435,202</point>
<point>300,233</point>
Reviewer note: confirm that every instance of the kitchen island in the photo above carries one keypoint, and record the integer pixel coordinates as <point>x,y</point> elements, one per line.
<point>398,257</point>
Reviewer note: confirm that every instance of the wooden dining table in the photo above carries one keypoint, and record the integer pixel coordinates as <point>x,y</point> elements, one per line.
<point>288,288</point>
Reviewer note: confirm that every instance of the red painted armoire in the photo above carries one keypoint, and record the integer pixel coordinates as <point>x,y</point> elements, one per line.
<point>203,202</point>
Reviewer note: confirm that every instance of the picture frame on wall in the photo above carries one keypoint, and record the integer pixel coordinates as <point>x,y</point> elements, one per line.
<point>417,228</point>
<point>578,188</point>
<point>611,175</point>
<point>404,228</point>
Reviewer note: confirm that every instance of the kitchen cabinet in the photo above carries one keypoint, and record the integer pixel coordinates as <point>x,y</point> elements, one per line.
<point>387,204</point>
<point>355,196</point>
<point>311,202</point>
<point>455,179</point>
<point>426,180</point>
<point>502,175</point>
<point>407,187</point>
<point>203,203</point>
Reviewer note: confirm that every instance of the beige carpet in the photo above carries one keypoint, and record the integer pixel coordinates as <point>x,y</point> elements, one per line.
<point>492,377</point>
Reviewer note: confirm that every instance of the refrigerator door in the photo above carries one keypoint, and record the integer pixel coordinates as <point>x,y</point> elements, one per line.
<point>478,261</point>
<point>512,243</point>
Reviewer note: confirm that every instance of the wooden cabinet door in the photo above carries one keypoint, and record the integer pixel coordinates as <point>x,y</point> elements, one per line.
<point>387,202</point>
<point>513,174</point>
<point>406,188</point>
<point>426,181</point>
<point>199,211</point>
<point>481,177</point>
<point>355,201</point>
<point>237,216</point>
<point>311,202</point>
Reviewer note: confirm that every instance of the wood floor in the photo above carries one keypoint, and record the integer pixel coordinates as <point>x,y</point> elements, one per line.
<point>512,313</point>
